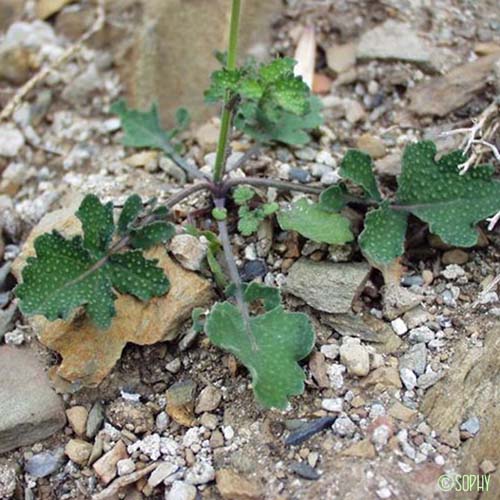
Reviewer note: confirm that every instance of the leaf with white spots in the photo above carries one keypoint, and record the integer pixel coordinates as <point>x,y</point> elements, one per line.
<point>358,167</point>
<point>269,345</point>
<point>452,204</point>
<point>383,237</point>
<point>83,272</point>
<point>131,273</point>
<point>57,281</point>
<point>313,222</point>
<point>97,224</point>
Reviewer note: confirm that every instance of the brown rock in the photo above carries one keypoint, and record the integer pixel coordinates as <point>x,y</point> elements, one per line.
<point>233,486</point>
<point>317,365</point>
<point>105,467</point>
<point>15,64</point>
<point>444,94</point>
<point>340,58</point>
<point>486,48</point>
<point>361,449</point>
<point>209,400</point>
<point>78,451</point>
<point>172,37</point>
<point>385,376</point>
<point>86,358</point>
<point>371,145</point>
<point>402,412</point>
<point>322,84</point>
<point>30,410</point>
<point>455,256</point>
<point>180,402</point>
<point>77,418</point>
<point>47,8</point>
<point>129,415</point>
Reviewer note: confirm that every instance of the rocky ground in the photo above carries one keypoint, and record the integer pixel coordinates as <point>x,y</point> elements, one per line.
<point>402,386</point>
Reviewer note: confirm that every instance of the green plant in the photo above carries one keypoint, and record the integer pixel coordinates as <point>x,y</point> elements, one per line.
<point>270,104</point>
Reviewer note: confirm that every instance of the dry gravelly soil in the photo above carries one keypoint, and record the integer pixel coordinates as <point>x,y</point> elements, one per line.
<point>402,454</point>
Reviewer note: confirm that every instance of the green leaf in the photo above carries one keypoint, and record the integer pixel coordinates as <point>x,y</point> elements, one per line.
<point>182,118</point>
<point>131,273</point>
<point>269,208</point>
<point>358,167</point>
<point>243,194</point>
<point>269,295</point>
<point>334,199</point>
<point>249,220</point>
<point>311,221</point>
<point>142,128</point>
<point>151,235</point>
<point>292,95</point>
<point>97,224</point>
<point>251,89</point>
<point>223,81</point>
<point>276,70</point>
<point>198,323</point>
<point>383,237</point>
<point>55,282</point>
<point>282,339</point>
<point>130,211</point>
<point>452,204</point>
<point>81,272</point>
<point>219,213</point>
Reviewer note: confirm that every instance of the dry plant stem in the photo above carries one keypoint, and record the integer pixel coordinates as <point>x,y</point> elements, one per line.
<point>272,183</point>
<point>234,275</point>
<point>17,99</point>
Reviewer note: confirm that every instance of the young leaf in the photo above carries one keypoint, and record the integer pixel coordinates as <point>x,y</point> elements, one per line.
<point>269,208</point>
<point>151,235</point>
<point>249,220</point>
<point>97,223</point>
<point>311,221</point>
<point>452,204</point>
<point>383,237</point>
<point>55,282</point>
<point>130,211</point>
<point>333,199</point>
<point>243,194</point>
<point>142,128</point>
<point>282,339</point>
<point>131,273</point>
<point>219,213</point>
<point>358,167</point>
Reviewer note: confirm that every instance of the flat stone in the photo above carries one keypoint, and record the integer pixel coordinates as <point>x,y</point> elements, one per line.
<point>401,412</point>
<point>329,287</point>
<point>105,467</point>
<point>340,58</point>
<point>86,359</point>
<point>386,376</point>
<point>444,94</point>
<point>455,256</point>
<point>361,449</point>
<point>11,140</point>
<point>45,463</point>
<point>234,486</point>
<point>180,402</point>
<point>161,473</point>
<point>394,41</point>
<point>94,420</point>
<point>31,411</point>
<point>355,357</point>
<point>415,359</point>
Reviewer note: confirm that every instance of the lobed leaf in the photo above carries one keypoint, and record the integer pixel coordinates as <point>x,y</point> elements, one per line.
<point>151,235</point>
<point>130,211</point>
<point>383,236</point>
<point>358,167</point>
<point>311,221</point>
<point>452,204</point>
<point>281,339</point>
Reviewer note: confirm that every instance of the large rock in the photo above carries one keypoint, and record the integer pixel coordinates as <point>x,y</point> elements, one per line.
<point>393,41</point>
<point>173,54</point>
<point>470,389</point>
<point>30,410</point>
<point>326,286</point>
<point>444,94</point>
<point>89,354</point>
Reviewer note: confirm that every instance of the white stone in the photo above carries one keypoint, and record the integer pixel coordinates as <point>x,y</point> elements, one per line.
<point>330,351</point>
<point>399,326</point>
<point>11,140</point>
<point>126,466</point>
<point>200,473</point>
<point>189,251</point>
<point>355,357</point>
<point>333,404</point>
<point>181,491</point>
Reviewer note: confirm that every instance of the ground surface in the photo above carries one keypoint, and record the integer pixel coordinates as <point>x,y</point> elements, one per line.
<point>391,439</point>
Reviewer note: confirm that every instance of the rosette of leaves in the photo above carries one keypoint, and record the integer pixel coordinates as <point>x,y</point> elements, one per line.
<point>250,218</point>
<point>269,344</point>
<point>272,104</point>
<point>88,270</point>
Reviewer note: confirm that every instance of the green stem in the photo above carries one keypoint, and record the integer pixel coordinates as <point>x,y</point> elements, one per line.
<point>227,111</point>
